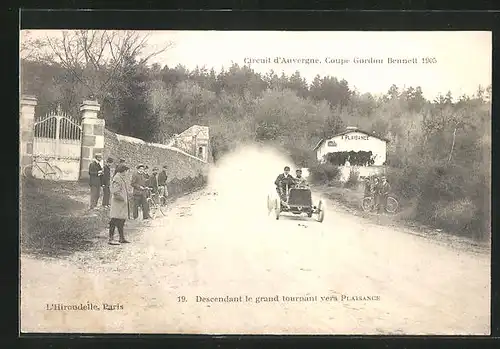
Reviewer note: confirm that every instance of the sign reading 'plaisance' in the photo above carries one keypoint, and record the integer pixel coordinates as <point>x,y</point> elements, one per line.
<point>355,137</point>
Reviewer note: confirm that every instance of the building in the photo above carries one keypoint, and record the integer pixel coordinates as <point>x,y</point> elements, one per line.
<point>194,141</point>
<point>353,139</point>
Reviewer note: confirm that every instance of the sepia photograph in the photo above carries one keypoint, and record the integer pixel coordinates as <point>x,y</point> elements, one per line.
<point>255,182</point>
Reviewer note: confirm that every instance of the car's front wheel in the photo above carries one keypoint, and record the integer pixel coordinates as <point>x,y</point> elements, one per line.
<point>277,208</point>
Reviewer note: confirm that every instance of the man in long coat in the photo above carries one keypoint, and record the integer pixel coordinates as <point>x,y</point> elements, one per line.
<point>119,211</point>
<point>162,181</point>
<point>95,173</point>
<point>106,182</point>
<point>152,181</point>
<point>283,180</point>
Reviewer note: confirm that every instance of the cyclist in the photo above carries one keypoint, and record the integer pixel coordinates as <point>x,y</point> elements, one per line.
<point>368,187</point>
<point>153,181</point>
<point>282,181</point>
<point>300,182</point>
<point>383,193</point>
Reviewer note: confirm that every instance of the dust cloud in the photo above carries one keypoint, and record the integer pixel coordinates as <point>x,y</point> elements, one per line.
<point>243,178</point>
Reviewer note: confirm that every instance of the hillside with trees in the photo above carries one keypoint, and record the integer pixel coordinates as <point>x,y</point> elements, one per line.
<point>439,150</point>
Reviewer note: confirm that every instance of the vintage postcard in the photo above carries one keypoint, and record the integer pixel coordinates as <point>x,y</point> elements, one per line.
<point>257,182</point>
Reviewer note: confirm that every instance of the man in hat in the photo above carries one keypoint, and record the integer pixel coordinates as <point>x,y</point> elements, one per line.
<point>300,181</point>
<point>283,181</point>
<point>368,187</point>
<point>122,161</point>
<point>95,174</point>
<point>119,211</point>
<point>106,181</point>
<point>153,180</point>
<point>138,184</point>
<point>162,182</point>
<point>146,173</point>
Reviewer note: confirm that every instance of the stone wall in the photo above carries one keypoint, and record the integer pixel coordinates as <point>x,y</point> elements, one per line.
<point>184,171</point>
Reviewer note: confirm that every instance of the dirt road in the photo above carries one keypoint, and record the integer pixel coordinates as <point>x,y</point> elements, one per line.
<point>210,246</point>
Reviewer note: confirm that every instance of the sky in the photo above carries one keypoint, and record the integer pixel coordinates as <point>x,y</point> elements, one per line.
<point>462,59</point>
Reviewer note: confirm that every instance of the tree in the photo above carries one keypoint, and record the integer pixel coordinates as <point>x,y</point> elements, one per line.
<point>96,58</point>
<point>393,92</point>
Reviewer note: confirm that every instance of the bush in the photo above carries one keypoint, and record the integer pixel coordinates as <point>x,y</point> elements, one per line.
<point>323,173</point>
<point>359,158</point>
<point>52,223</point>
<point>353,179</point>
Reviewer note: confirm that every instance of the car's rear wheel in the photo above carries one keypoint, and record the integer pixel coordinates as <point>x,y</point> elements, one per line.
<point>321,211</point>
<point>368,204</point>
<point>392,205</point>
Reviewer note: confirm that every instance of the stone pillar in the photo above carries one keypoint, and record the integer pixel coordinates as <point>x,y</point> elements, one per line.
<point>27,124</point>
<point>92,135</point>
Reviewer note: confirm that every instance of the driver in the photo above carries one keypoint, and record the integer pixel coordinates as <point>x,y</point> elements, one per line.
<point>300,182</point>
<point>282,181</point>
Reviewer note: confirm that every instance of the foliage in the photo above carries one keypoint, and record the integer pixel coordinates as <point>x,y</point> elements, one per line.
<point>353,179</point>
<point>324,173</point>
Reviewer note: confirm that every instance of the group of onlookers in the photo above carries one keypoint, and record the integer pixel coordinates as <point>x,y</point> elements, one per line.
<point>116,192</point>
<point>144,184</point>
<point>378,188</point>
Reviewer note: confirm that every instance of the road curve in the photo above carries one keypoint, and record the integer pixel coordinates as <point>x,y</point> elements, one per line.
<point>373,279</point>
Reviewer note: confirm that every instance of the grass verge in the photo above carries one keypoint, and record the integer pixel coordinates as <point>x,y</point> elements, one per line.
<point>55,220</point>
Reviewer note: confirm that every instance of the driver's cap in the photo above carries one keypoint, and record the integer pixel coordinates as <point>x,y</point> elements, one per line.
<point>287,168</point>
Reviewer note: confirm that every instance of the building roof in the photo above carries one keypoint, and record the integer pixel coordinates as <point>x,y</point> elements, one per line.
<point>196,130</point>
<point>351,130</point>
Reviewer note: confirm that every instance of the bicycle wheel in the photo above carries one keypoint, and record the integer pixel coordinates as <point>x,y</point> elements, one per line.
<point>162,210</point>
<point>368,204</point>
<point>28,171</point>
<point>153,208</point>
<point>55,175</point>
<point>392,205</point>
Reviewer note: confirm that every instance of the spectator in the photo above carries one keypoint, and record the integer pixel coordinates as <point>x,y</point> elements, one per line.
<point>299,181</point>
<point>106,181</point>
<point>162,182</point>
<point>95,173</point>
<point>119,211</point>
<point>122,161</point>
<point>375,192</point>
<point>138,184</point>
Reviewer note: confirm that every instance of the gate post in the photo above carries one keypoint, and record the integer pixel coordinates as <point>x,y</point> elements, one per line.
<point>92,135</point>
<point>27,124</point>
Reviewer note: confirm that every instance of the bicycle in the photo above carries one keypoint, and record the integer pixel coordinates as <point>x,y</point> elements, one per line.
<point>153,200</point>
<point>51,172</point>
<point>368,204</point>
<point>162,198</point>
